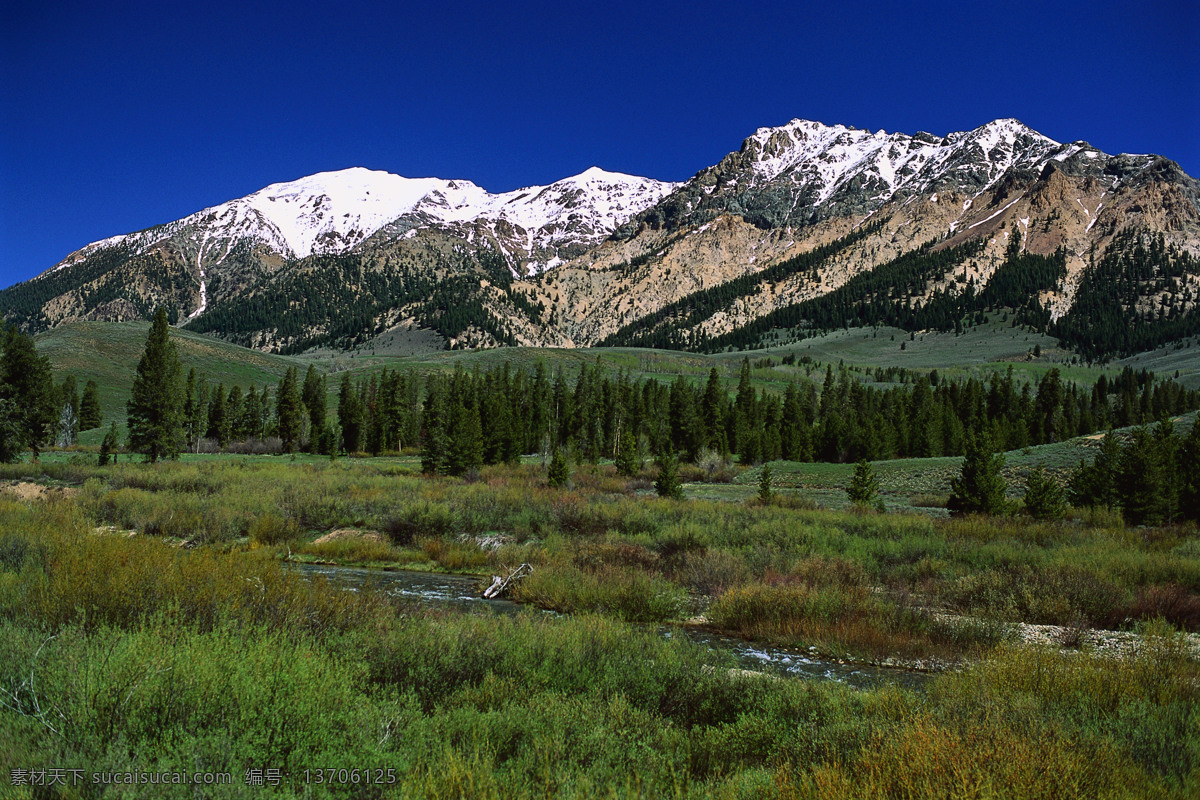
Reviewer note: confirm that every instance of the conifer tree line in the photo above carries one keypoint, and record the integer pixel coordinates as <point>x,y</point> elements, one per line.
<point>664,328</point>
<point>340,300</point>
<point>1110,317</point>
<point>466,419</point>
<point>463,420</point>
<point>1153,477</point>
<point>292,411</point>
<point>893,294</point>
<point>34,412</point>
<point>75,413</point>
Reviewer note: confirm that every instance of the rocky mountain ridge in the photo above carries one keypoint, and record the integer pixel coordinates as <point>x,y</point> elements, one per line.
<point>337,259</point>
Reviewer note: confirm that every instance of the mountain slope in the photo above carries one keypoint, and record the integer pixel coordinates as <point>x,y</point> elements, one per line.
<point>795,189</point>
<point>235,248</point>
<point>1058,233</point>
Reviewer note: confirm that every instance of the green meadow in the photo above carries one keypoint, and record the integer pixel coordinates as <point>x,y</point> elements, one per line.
<point>151,622</point>
<point>154,617</point>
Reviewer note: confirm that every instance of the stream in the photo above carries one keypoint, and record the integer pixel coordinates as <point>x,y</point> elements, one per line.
<point>462,592</point>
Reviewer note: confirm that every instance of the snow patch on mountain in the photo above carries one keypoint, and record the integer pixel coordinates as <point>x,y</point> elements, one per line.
<point>828,158</point>
<point>333,212</point>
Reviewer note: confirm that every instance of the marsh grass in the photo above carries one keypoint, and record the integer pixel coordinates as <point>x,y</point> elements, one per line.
<point>362,550</point>
<point>68,575</point>
<point>146,656</point>
<point>845,621</point>
<point>624,592</point>
<point>1005,568</point>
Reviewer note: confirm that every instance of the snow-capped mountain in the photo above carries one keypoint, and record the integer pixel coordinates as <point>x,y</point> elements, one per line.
<point>538,227</point>
<point>338,259</point>
<point>802,186</point>
<point>827,159</point>
<point>334,212</point>
<point>805,171</point>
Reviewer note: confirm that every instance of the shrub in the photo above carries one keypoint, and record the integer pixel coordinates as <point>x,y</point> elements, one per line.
<point>271,529</point>
<point>423,518</point>
<point>455,555</point>
<point>711,572</point>
<point>626,593</point>
<point>1170,602</point>
<point>359,548</point>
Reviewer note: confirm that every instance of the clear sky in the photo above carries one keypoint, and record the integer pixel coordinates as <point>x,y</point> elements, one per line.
<point>118,116</point>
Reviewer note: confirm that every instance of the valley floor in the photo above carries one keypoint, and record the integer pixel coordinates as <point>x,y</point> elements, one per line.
<point>149,619</point>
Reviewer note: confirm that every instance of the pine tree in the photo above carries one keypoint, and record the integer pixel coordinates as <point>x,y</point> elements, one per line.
<point>12,431</point>
<point>793,430</point>
<point>1143,479</point>
<point>68,415</point>
<point>1189,474</point>
<point>712,413</point>
<point>864,485</point>
<point>68,426</point>
<point>290,410</point>
<point>70,393</point>
<point>764,484</point>
<point>108,448</point>
<point>435,437</point>
<point>1044,498</point>
<point>89,407</point>
<point>466,436</point>
<point>252,411</point>
<point>1094,485</point>
<point>26,384</point>
<point>980,487</point>
<point>667,484</point>
<point>350,415</point>
<point>218,420</point>
<point>629,459</point>
<point>744,417</point>
<point>313,396</point>
<point>559,473</point>
<point>195,411</point>
<point>267,423</point>
<point>155,406</point>
<point>234,412</point>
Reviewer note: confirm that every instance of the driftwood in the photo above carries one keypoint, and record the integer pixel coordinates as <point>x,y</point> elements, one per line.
<point>500,585</point>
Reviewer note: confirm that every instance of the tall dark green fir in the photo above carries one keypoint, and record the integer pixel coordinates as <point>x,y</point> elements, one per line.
<point>27,397</point>
<point>89,407</point>
<point>290,411</point>
<point>155,406</point>
<point>980,487</point>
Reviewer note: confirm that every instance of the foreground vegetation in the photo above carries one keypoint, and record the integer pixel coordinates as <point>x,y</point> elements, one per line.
<point>122,653</point>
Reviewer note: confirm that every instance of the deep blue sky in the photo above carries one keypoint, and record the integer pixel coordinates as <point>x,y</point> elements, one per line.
<point>115,117</point>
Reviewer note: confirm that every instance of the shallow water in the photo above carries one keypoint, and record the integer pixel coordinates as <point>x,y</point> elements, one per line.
<point>464,592</point>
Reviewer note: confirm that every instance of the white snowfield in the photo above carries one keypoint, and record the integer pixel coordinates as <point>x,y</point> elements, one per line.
<point>332,212</point>
<point>828,157</point>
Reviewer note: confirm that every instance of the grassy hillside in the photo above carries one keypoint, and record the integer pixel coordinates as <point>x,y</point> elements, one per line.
<point>108,352</point>
<point>1182,358</point>
<point>978,352</point>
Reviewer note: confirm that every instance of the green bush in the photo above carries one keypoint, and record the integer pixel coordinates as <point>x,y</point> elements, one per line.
<point>270,529</point>
<point>624,592</point>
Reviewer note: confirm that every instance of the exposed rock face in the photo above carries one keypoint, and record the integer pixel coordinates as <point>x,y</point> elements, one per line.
<point>338,258</point>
